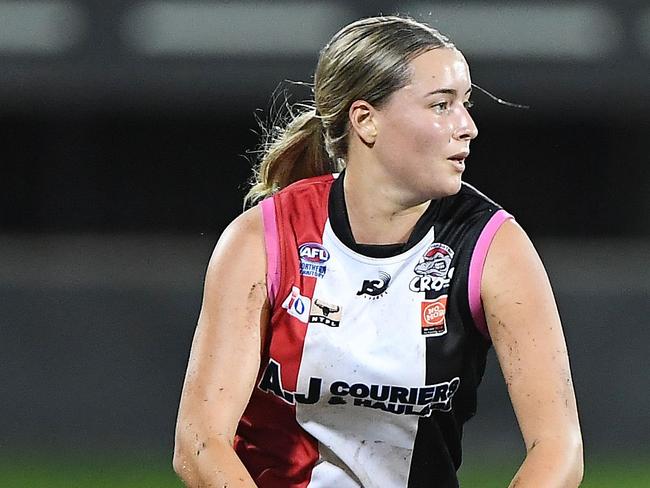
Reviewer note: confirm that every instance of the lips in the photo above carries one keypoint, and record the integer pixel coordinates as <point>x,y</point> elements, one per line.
<point>460,156</point>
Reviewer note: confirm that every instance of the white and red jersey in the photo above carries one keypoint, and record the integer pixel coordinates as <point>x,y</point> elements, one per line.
<point>374,352</point>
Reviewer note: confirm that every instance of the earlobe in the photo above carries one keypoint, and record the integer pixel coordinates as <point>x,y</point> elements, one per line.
<point>362,120</point>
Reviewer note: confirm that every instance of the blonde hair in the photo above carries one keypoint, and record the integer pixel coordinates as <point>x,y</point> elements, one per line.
<point>366,60</point>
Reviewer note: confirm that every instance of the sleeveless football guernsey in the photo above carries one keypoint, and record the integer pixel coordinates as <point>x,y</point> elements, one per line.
<point>374,353</point>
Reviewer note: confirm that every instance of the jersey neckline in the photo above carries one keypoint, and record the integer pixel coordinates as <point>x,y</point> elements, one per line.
<point>339,223</point>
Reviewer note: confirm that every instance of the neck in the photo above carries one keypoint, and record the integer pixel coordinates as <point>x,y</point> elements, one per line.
<point>376,212</point>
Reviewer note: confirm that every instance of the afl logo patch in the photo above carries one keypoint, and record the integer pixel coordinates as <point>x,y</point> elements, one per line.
<point>433,316</point>
<point>313,257</point>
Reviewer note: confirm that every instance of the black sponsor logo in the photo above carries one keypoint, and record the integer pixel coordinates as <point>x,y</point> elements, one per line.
<point>325,313</point>
<point>375,288</point>
<point>398,400</point>
<point>271,382</point>
<point>430,283</point>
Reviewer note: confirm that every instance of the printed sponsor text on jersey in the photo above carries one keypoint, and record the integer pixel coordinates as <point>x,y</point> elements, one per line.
<point>399,400</point>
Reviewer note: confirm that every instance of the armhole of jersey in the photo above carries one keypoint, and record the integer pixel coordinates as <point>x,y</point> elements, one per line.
<point>476,269</point>
<point>272,245</point>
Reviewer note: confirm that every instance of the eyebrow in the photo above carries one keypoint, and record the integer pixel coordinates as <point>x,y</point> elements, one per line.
<point>448,91</point>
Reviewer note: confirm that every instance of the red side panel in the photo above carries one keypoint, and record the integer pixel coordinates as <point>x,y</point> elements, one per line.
<point>275,449</point>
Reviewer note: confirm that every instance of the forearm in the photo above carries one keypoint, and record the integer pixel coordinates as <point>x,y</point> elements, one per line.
<point>213,465</point>
<point>551,465</point>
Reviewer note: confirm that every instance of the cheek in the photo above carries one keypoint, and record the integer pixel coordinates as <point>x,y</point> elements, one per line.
<point>419,135</point>
<point>431,136</point>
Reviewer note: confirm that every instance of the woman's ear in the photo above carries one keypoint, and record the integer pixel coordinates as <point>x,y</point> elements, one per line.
<point>362,120</point>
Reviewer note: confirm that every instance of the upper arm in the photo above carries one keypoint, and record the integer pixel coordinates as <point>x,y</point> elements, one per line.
<point>525,328</point>
<point>225,355</point>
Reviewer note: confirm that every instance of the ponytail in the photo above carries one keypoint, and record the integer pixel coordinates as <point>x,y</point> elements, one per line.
<point>292,153</point>
<point>366,60</point>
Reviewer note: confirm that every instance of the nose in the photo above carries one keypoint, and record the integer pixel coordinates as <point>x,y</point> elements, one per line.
<point>466,129</point>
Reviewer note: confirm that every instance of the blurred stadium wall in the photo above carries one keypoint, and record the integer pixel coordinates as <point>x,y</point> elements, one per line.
<point>125,125</point>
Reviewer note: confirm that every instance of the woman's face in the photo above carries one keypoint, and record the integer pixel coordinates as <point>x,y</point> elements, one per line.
<point>424,129</point>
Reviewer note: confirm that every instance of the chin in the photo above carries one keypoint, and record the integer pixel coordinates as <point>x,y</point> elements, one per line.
<point>450,188</point>
<point>437,193</point>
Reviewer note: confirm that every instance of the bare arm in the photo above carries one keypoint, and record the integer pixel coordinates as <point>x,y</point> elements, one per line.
<point>225,358</point>
<point>527,334</point>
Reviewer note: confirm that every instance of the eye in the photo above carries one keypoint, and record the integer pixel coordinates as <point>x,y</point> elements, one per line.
<point>441,107</point>
<point>468,104</point>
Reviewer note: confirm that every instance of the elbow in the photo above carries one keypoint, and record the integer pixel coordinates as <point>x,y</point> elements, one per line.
<point>558,460</point>
<point>180,464</point>
<point>193,461</point>
<point>579,463</point>
<point>572,460</point>
<point>574,455</point>
<point>183,465</point>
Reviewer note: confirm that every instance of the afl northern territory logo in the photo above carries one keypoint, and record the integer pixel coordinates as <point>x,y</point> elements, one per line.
<point>313,257</point>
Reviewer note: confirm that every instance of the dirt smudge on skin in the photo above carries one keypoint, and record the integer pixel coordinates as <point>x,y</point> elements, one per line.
<point>200,449</point>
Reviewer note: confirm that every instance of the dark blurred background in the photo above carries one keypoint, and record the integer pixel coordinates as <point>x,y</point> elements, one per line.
<point>128,130</point>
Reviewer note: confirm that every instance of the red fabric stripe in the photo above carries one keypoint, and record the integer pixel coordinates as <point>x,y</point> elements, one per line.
<point>275,449</point>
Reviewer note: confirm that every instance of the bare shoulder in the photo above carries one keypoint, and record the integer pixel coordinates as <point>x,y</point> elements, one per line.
<point>236,274</point>
<point>240,251</point>
<point>249,221</point>
<point>510,243</point>
<point>512,262</point>
<point>247,229</point>
<point>515,289</point>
